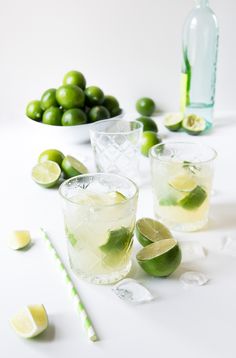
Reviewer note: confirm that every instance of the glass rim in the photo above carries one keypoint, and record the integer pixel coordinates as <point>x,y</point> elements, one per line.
<point>154,155</point>
<point>98,175</point>
<point>104,121</point>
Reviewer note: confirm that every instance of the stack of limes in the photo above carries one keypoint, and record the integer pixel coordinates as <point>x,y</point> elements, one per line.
<point>161,254</point>
<point>73,103</point>
<point>53,165</point>
<point>146,107</point>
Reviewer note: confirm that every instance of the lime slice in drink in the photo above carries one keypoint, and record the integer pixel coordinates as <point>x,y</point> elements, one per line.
<point>30,321</point>
<point>116,197</point>
<point>183,182</point>
<point>173,121</point>
<point>193,124</point>
<point>19,239</point>
<point>46,174</point>
<point>72,167</point>
<point>149,231</point>
<point>118,240</point>
<point>194,199</point>
<point>160,258</point>
<point>168,201</point>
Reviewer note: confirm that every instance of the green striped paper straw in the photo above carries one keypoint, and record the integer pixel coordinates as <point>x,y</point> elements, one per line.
<point>87,324</point>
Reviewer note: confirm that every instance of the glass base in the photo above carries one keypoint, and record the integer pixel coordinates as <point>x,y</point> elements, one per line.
<point>184,227</point>
<point>104,279</point>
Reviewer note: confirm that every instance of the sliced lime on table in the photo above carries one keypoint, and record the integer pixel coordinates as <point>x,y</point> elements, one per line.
<point>194,199</point>
<point>30,321</point>
<point>149,231</point>
<point>54,155</point>
<point>46,174</point>
<point>173,121</point>
<point>183,182</point>
<point>72,167</point>
<point>193,124</point>
<point>19,239</point>
<point>160,258</point>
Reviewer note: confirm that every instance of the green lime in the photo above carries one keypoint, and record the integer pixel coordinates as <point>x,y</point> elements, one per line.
<point>98,113</point>
<point>193,124</point>
<point>94,96</point>
<point>160,258</point>
<point>149,139</point>
<point>149,231</point>
<point>74,78</point>
<point>52,116</point>
<point>173,121</point>
<point>53,155</point>
<point>194,199</point>
<point>70,96</point>
<point>46,174</point>
<point>117,197</point>
<point>111,103</point>
<point>115,112</point>
<point>118,240</point>
<point>148,124</point>
<point>72,167</point>
<point>34,110</point>
<point>168,201</point>
<point>48,99</point>
<point>73,116</point>
<point>145,106</point>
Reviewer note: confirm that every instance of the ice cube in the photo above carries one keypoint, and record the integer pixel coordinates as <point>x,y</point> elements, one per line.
<point>228,246</point>
<point>193,278</point>
<point>132,291</point>
<point>192,250</point>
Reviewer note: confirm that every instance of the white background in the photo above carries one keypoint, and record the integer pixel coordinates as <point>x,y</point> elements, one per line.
<point>130,48</point>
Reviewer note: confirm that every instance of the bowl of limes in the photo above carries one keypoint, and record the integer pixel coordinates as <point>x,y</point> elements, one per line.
<point>67,112</point>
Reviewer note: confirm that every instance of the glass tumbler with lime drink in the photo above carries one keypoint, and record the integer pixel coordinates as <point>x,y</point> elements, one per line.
<point>99,213</point>
<point>182,175</point>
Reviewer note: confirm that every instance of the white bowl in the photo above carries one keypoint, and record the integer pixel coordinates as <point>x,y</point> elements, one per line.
<point>61,134</point>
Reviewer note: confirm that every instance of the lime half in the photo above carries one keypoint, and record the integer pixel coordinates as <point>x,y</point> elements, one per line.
<point>118,240</point>
<point>183,182</point>
<point>19,239</point>
<point>30,321</point>
<point>193,124</point>
<point>46,174</point>
<point>173,121</point>
<point>72,167</point>
<point>194,199</point>
<point>160,258</point>
<point>149,231</point>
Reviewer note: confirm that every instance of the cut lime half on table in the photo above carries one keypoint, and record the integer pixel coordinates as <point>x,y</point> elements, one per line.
<point>72,167</point>
<point>46,174</point>
<point>30,321</point>
<point>149,231</point>
<point>160,258</point>
<point>173,121</point>
<point>193,124</point>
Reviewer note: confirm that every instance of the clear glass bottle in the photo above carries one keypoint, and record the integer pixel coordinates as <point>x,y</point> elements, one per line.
<point>200,47</point>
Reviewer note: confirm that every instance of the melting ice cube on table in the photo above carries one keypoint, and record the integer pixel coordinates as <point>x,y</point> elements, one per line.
<point>132,291</point>
<point>228,246</point>
<point>193,278</point>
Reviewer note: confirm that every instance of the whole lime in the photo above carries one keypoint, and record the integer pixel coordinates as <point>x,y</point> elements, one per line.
<point>52,116</point>
<point>149,139</point>
<point>54,155</point>
<point>48,99</point>
<point>72,167</point>
<point>148,124</point>
<point>74,78</point>
<point>73,116</point>
<point>34,110</point>
<point>94,96</point>
<point>111,103</point>
<point>115,112</point>
<point>70,96</point>
<point>98,113</point>
<point>145,106</point>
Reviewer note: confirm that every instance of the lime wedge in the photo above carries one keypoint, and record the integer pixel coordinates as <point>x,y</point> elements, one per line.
<point>193,124</point>
<point>149,231</point>
<point>160,258</point>
<point>19,239</point>
<point>118,240</point>
<point>117,197</point>
<point>30,321</point>
<point>168,201</point>
<point>173,121</point>
<point>194,199</point>
<point>183,182</point>
<point>46,174</point>
<point>72,167</point>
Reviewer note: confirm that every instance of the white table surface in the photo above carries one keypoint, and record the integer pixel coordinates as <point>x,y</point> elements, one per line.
<point>187,323</point>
